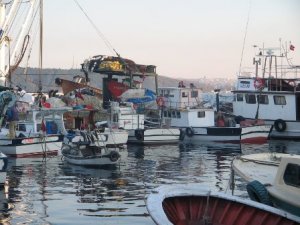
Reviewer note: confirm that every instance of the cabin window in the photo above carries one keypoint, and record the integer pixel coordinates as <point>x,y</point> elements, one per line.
<point>161,93</point>
<point>165,113</point>
<point>239,97</point>
<point>178,114</point>
<point>292,175</point>
<point>201,114</point>
<point>169,114</point>
<point>279,100</point>
<point>173,114</point>
<point>184,94</point>
<point>167,93</point>
<point>21,127</point>
<point>250,98</point>
<point>263,99</point>
<point>194,94</point>
<point>115,117</point>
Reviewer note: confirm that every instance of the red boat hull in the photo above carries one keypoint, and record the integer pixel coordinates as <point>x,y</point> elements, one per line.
<point>192,210</point>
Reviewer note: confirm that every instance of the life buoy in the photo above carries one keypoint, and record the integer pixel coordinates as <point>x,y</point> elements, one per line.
<point>139,134</point>
<point>114,156</point>
<point>280,125</point>
<point>181,135</point>
<point>189,132</point>
<point>258,192</point>
<point>292,83</point>
<point>259,83</point>
<point>160,101</point>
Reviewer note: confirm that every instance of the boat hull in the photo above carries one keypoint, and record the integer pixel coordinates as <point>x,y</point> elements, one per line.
<point>252,134</point>
<point>154,136</point>
<point>106,157</point>
<point>193,204</point>
<point>30,147</point>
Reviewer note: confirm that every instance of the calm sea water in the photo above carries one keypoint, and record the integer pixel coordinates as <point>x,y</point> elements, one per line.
<point>55,192</point>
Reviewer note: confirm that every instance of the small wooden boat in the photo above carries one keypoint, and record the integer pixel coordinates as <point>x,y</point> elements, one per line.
<point>273,179</point>
<point>193,204</point>
<point>3,168</point>
<point>90,155</point>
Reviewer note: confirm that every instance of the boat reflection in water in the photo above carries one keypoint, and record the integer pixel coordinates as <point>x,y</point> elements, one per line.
<point>52,191</point>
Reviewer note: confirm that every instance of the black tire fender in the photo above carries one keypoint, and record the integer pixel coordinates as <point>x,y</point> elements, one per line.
<point>280,125</point>
<point>189,131</point>
<point>258,192</point>
<point>181,135</point>
<point>114,156</point>
<point>139,134</point>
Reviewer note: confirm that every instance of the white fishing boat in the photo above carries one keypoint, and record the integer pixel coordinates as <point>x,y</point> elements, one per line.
<point>187,204</point>
<point>183,108</point>
<point>3,168</point>
<point>273,179</point>
<point>124,116</point>
<point>100,137</point>
<point>39,132</point>
<point>276,89</point>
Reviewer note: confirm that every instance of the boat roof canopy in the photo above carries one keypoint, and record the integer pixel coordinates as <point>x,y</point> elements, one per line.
<point>112,65</point>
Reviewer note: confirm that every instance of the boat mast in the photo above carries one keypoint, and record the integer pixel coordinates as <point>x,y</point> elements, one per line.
<point>41,46</point>
<point>5,40</point>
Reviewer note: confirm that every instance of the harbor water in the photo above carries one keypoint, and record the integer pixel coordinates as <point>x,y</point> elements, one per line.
<point>51,191</point>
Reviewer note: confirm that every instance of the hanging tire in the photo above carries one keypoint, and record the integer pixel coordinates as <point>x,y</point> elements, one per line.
<point>280,125</point>
<point>114,156</point>
<point>181,135</point>
<point>189,132</point>
<point>258,192</point>
<point>139,134</point>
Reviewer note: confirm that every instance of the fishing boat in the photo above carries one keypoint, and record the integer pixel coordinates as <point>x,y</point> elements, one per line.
<point>3,168</point>
<point>39,132</point>
<point>194,204</point>
<point>100,137</point>
<point>273,179</point>
<point>276,89</point>
<point>124,116</point>
<point>124,98</point>
<point>182,107</point>
<point>86,154</point>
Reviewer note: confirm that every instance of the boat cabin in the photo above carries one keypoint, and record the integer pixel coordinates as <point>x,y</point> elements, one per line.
<point>31,121</point>
<point>123,115</point>
<point>200,117</point>
<point>272,95</point>
<point>180,97</point>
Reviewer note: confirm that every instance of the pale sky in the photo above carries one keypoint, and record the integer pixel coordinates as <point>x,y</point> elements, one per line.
<point>191,38</point>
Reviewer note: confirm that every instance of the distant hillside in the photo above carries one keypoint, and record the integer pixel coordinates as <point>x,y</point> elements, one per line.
<point>29,80</point>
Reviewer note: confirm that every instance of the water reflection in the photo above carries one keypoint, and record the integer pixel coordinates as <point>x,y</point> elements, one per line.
<point>55,192</point>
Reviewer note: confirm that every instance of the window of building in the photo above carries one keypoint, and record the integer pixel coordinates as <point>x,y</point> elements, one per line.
<point>201,114</point>
<point>239,97</point>
<point>250,98</point>
<point>263,99</point>
<point>279,100</point>
<point>169,114</point>
<point>178,114</point>
<point>292,175</point>
<point>194,94</point>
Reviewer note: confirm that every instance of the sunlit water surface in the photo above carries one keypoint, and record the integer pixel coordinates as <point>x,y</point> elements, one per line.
<point>55,192</point>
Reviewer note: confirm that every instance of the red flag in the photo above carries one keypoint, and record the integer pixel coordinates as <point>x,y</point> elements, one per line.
<point>292,47</point>
<point>79,95</point>
<point>43,126</point>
